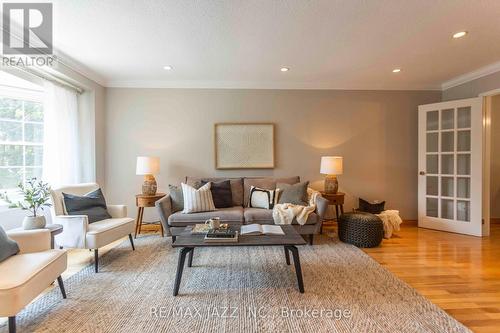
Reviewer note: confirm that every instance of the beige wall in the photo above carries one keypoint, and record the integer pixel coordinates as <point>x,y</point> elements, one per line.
<point>495,158</point>
<point>375,131</point>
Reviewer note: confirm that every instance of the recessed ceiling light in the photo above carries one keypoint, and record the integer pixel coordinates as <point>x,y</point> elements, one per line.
<point>396,70</point>
<point>167,68</point>
<point>460,34</point>
<point>284,69</point>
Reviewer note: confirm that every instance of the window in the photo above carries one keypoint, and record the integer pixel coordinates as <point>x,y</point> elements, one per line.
<point>21,138</point>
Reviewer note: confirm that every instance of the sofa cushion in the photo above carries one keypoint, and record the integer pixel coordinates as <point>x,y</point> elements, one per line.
<point>197,200</point>
<point>91,204</point>
<point>221,193</point>
<point>295,194</point>
<point>103,232</point>
<point>262,198</point>
<point>236,186</point>
<point>8,247</point>
<point>232,215</point>
<point>265,216</point>
<point>25,276</point>
<point>176,197</point>
<point>268,183</point>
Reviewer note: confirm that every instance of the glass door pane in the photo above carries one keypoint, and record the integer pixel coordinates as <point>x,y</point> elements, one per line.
<point>432,120</point>
<point>463,117</point>
<point>448,119</point>
<point>463,141</point>
<point>432,164</point>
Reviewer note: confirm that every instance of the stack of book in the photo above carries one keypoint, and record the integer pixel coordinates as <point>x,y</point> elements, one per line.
<point>222,236</point>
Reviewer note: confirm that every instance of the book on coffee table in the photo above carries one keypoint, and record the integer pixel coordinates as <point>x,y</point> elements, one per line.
<point>261,229</point>
<point>228,236</point>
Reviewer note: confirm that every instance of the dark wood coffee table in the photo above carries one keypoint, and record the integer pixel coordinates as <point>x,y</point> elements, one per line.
<point>188,242</point>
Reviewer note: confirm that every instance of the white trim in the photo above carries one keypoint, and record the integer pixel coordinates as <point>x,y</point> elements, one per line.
<point>257,85</point>
<point>478,73</point>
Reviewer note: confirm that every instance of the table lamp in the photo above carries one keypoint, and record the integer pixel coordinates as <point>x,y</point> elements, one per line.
<point>331,166</point>
<point>148,167</point>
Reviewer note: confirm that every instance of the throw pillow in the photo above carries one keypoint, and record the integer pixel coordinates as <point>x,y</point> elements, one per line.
<point>295,194</point>
<point>263,198</point>
<point>221,193</point>
<point>8,247</point>
<point>91,204</point>
<point>197,200</point>
<point>176,198</point>
<point>368,207</point>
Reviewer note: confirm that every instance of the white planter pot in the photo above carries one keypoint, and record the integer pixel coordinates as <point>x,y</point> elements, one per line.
<point>34,222</point>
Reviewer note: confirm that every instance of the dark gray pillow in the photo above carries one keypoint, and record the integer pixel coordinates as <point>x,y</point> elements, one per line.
<point>221,193</point>
<point>176,198</point>
<point>8,247</point>
<point>295,194</point>
<point>91,204</point>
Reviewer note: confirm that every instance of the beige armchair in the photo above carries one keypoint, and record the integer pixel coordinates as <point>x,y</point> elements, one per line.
<point>79,233</point>
<point>25,275</point>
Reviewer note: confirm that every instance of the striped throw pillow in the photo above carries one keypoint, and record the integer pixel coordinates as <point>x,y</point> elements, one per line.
<point>197,200</point>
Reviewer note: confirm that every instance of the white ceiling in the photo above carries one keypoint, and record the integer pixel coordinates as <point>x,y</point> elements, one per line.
<point>350,44</point>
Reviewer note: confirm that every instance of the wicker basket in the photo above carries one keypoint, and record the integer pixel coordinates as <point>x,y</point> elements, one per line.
<point>361,229</point>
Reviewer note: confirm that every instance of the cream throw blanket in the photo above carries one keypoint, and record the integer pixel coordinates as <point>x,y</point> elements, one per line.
<point>285,213</point>
<point>391,221</point>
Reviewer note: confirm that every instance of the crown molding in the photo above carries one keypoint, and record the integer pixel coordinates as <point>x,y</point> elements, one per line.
<point>257,85</point>
<point>79,68</point>
<point>478,73</point>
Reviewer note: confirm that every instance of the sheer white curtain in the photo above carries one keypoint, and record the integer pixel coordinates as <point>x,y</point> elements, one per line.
<point>61,148</point>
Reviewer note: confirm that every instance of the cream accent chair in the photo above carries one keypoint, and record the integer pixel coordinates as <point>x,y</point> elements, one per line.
<point>25,275</point>
<point>79,233</point>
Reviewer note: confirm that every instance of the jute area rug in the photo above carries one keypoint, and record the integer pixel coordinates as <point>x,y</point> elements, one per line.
<point>235,289</point>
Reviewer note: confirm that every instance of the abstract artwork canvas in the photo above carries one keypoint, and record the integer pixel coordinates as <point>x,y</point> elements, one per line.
<point>244,145</point>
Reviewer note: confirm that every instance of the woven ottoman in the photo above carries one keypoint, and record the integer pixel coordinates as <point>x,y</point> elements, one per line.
<point>361,229</point>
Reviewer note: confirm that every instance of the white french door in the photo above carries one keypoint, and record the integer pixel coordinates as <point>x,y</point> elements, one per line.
<point>450,166</point>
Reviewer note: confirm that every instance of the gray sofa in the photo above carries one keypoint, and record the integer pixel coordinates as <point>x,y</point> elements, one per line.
<point>240,213</point>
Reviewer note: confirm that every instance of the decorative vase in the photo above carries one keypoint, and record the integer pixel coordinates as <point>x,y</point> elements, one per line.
<point>34,222</point>
<point>149,186</point>
<point>331,184</point>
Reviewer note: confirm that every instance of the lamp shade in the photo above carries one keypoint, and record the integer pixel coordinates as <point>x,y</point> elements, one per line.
<point>147,165</point>
<point>331,165</point>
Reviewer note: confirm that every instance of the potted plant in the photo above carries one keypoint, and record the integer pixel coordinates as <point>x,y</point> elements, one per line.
<point>36,196</point>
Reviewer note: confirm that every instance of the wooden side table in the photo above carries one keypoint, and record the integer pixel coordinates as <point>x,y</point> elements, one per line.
<point>336,200</point>
<point>143,201</point>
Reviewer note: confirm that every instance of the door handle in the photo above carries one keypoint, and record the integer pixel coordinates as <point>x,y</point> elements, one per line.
<point>422,173</point>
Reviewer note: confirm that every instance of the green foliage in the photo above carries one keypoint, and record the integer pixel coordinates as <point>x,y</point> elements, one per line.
<point>36,195</point>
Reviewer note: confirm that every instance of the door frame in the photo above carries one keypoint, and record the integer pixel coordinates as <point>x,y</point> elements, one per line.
<point>487,96</point>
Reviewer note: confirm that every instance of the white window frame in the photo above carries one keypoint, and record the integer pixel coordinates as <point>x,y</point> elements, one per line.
<point>24,94</point>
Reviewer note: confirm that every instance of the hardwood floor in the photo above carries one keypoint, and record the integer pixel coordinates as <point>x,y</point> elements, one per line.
<point>461,274</point>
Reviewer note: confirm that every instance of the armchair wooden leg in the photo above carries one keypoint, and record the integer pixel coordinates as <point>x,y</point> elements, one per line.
<point>96,260</point>
<point>131,241</point>
<point>12,324</point>
<point>61,286</point>
<point>311,239</point>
